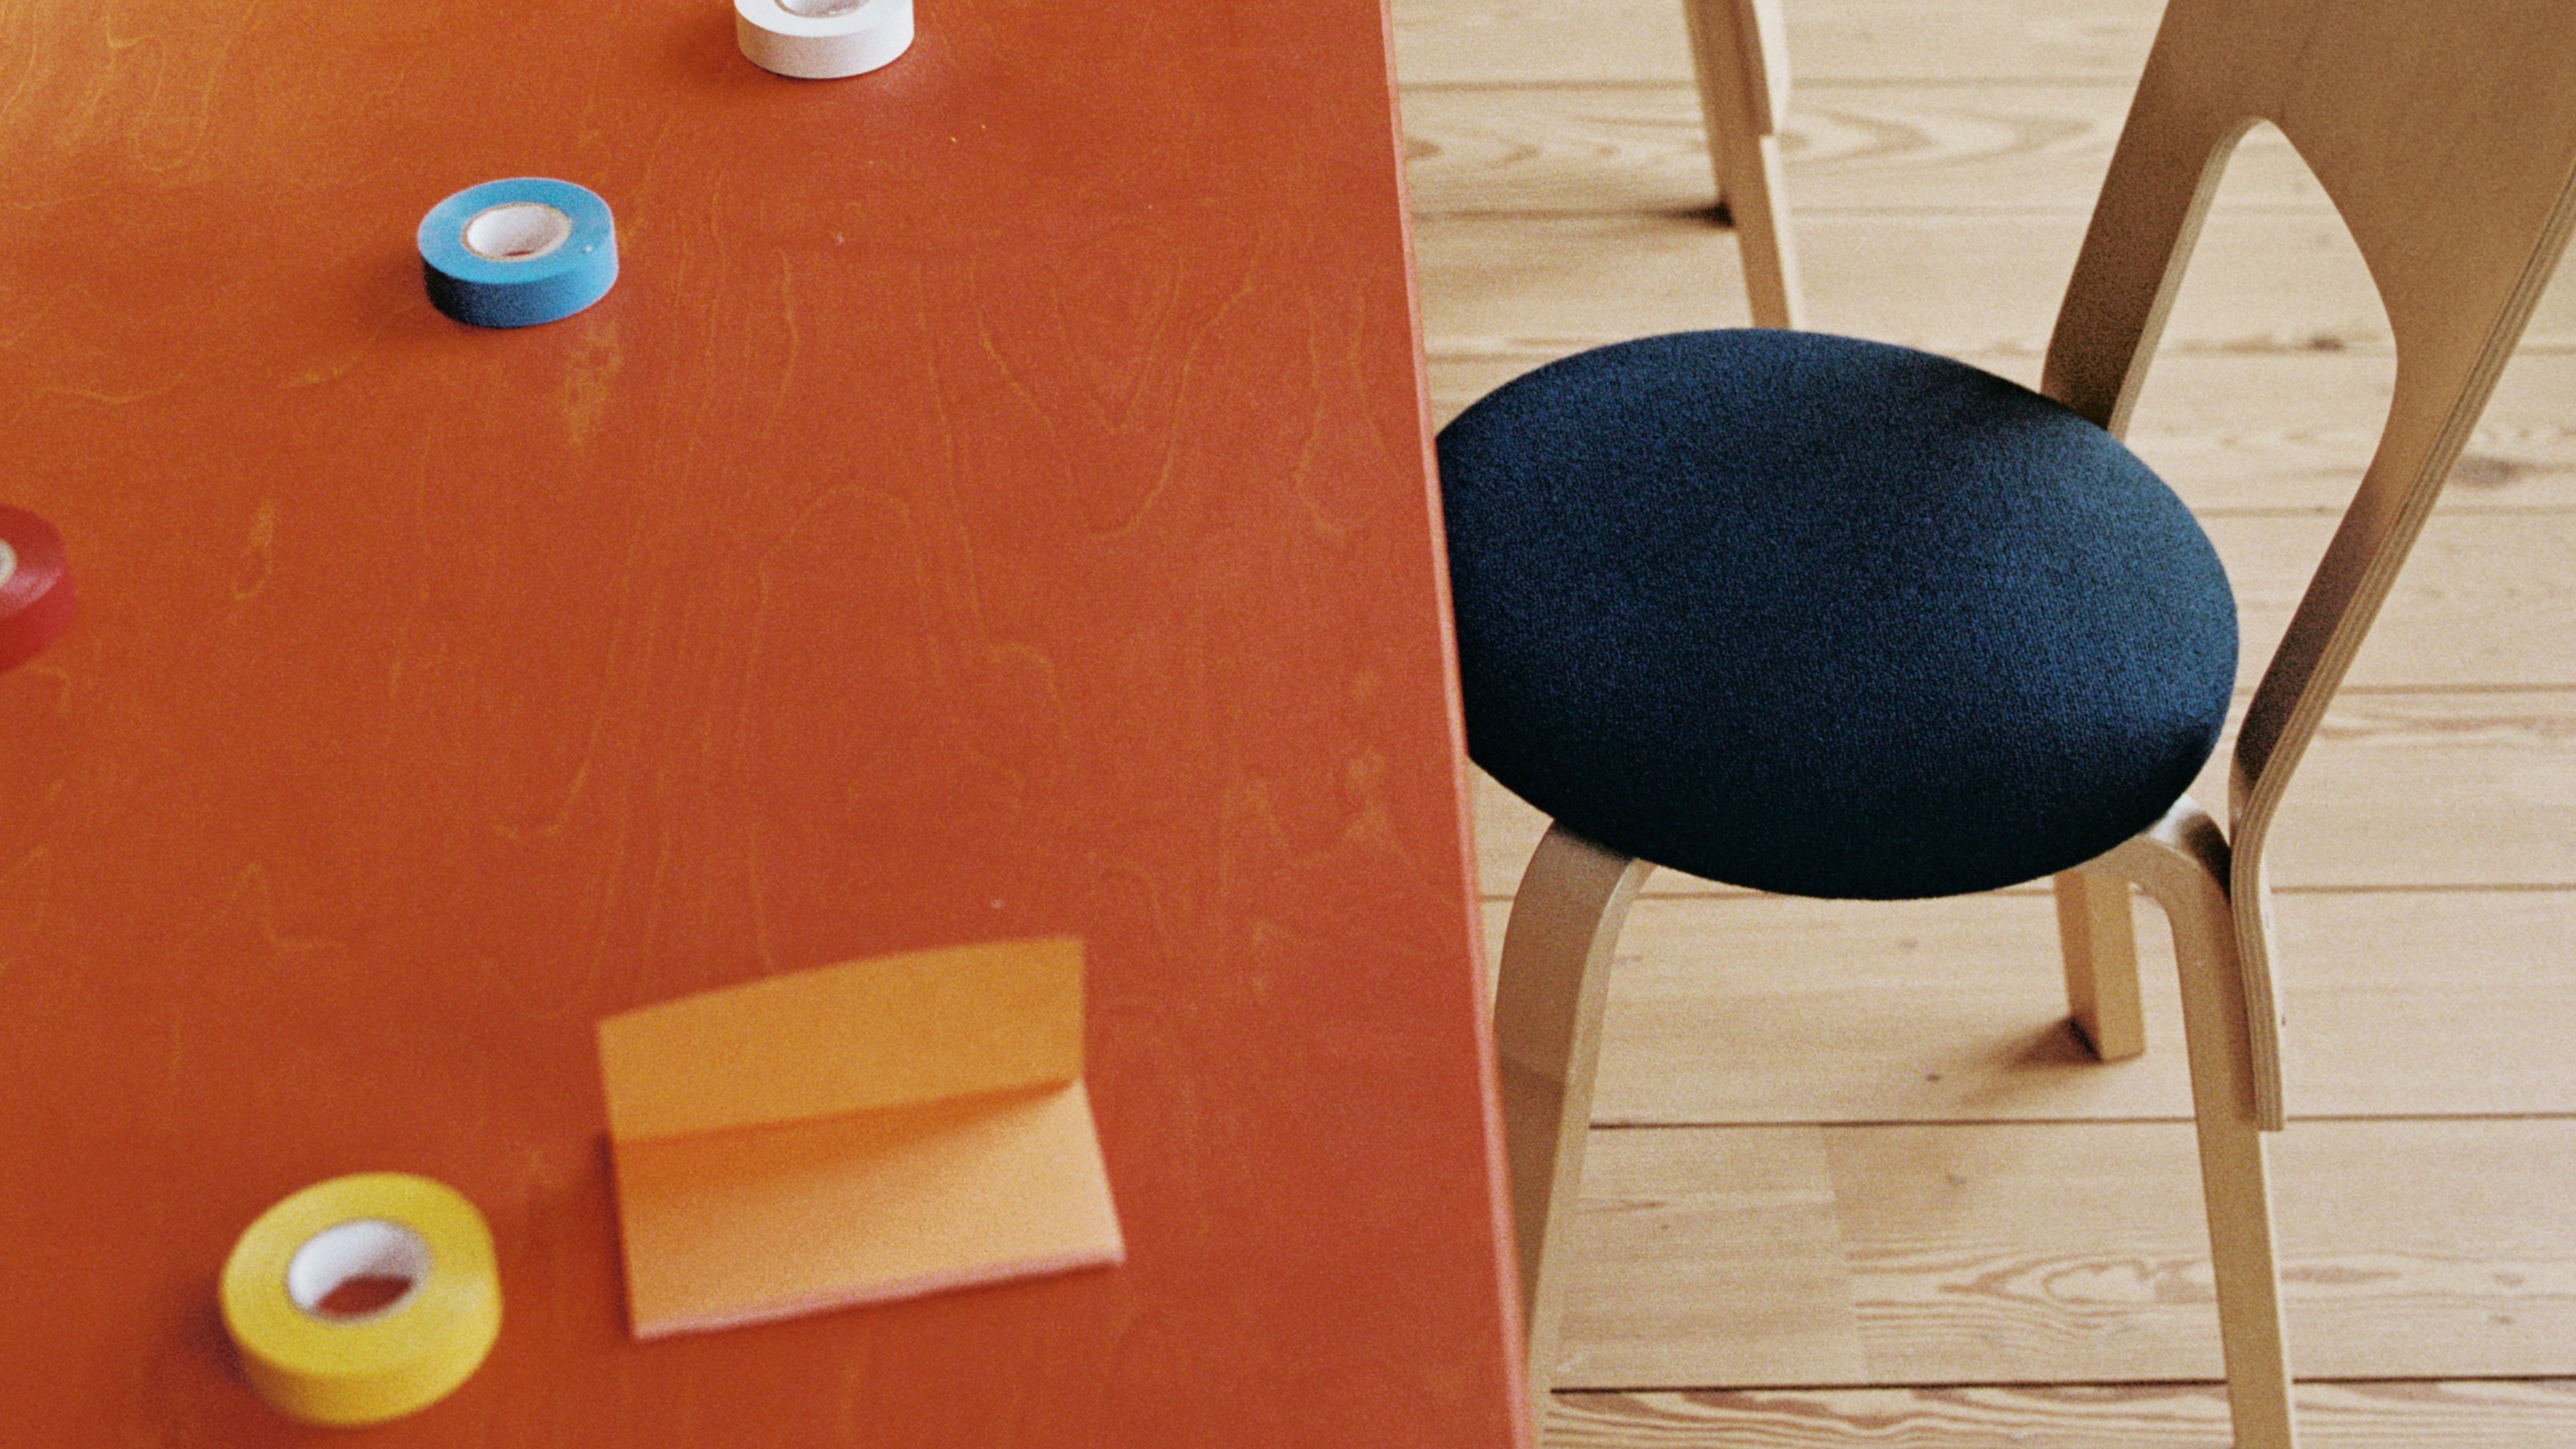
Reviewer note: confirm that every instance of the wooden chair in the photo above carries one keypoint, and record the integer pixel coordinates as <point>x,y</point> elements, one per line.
<point>1633,521</point>
<point>1740,52</point>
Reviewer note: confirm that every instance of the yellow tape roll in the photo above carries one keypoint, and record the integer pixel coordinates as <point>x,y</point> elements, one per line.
<point>326,1367</point>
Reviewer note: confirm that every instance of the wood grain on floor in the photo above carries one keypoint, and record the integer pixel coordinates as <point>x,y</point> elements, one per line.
<point>1749,1008</point>
<point>2070,1252</point>
<point>2414,1414</point>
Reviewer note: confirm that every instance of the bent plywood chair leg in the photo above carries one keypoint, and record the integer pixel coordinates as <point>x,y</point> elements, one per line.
<point>2183,863</point>
<point>2100,943</point>
<point>1555,978</point>
<point>1752,190</point>
<point>1741,57</point>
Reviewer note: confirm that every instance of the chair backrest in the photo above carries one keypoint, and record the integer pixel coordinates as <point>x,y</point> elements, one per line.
<point>2445,132</point>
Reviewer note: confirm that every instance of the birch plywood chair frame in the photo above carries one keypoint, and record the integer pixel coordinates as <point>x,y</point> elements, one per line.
<point>1740,53</point>
<point>2446,136</point>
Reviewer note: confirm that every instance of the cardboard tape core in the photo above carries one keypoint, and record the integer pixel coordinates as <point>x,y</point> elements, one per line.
<point>356,1252</point>
<point>517,231</point>
<point>819,9</point>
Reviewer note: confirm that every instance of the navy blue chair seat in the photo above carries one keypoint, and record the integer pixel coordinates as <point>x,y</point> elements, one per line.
<point>1827,617</point>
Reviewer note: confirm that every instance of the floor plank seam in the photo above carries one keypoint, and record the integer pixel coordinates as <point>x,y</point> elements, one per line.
<point>1979,1124</point>
<point>2305,1380</point>
<point>1803,83</point>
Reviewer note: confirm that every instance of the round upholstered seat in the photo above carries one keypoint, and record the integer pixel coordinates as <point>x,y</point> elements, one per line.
<point>1827,617</point>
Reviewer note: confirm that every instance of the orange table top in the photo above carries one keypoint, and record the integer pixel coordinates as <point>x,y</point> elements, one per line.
<point>994,502</point>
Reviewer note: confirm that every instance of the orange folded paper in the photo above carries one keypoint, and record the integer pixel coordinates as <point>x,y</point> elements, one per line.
<point>875,1130</point>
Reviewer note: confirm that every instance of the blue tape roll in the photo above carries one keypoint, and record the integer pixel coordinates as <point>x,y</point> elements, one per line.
<point>518,252</point>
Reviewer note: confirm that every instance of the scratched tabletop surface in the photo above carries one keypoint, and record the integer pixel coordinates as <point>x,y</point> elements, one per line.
<point>993,502</point>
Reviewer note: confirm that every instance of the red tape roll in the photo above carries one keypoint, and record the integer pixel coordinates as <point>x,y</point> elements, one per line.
<point>35,587</point>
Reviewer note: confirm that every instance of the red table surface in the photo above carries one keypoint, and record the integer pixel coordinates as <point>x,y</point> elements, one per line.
<point>994,501</point>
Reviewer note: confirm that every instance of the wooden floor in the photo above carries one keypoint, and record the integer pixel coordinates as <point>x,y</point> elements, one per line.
<point>1851,1182</point>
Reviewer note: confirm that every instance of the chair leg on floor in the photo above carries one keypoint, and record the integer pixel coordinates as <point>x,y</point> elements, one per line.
<point>1750,166</point>
<point>1554,980</point>
<point>2183,863</point>
<point>2101,948</point>
<point>1741,58</point>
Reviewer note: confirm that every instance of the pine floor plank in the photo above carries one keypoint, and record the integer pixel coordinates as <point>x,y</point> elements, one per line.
<point>1729,1243</point>
<point>2273,431</point>
<point>2296,430</point>
<point>1764,1009</point>
<point>2073,1253</point>
<point>1539,287</point>
<point>1484,42</point>
<point>2485,599</point>
<point>2536,1414</point>
<point>2467,789</point>
<point>1911,146</point>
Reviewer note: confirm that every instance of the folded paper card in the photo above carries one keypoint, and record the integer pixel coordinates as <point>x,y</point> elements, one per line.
<point>875,1130</point>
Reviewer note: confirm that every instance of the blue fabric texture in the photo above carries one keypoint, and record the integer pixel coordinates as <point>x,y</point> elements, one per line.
<point>1827,617</point>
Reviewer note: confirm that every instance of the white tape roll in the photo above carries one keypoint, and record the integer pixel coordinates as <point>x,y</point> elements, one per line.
<point>822,39</point>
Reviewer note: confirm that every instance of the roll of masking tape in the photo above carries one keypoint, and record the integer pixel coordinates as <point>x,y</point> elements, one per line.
<point>822,39</point>
<point>35,587</point>
<point>518,252</point>
<point>363,1298</point>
